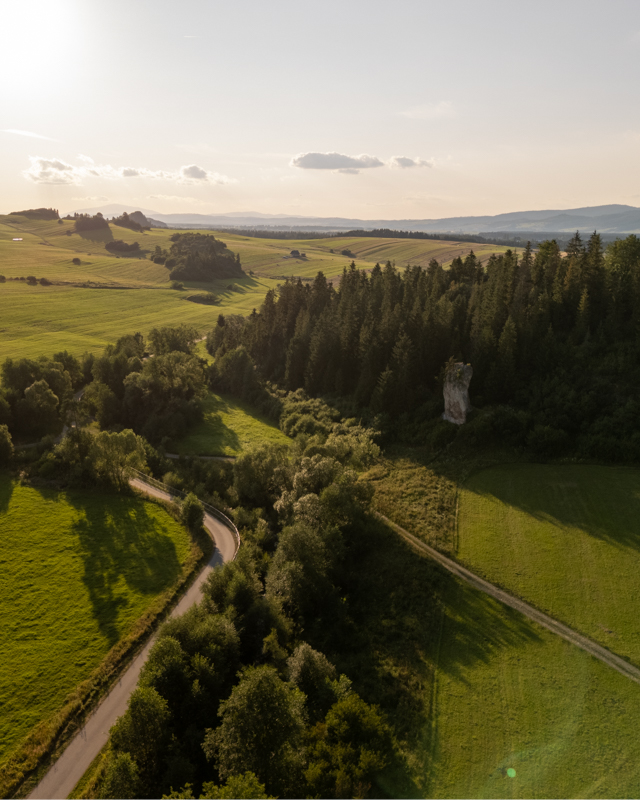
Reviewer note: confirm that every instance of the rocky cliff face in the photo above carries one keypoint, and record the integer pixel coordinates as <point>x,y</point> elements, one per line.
<point>456,393</point>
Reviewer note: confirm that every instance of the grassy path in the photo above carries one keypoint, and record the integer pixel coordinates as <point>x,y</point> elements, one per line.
<point>589,646</point>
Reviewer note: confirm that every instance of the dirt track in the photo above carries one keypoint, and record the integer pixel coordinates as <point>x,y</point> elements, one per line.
<point>61,779</point>
<point>551,624</point>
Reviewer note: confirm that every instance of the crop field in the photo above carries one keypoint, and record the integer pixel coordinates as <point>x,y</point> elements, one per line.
<point>229,428</point>
<point>36,320</point>
<point>518,712</point>
<point>271,257</point>
<point>78,570</point>
<point>91,303</point>
<point>565,538</point>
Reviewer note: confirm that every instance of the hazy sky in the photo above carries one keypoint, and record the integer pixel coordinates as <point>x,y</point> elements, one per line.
<point>404,109</point>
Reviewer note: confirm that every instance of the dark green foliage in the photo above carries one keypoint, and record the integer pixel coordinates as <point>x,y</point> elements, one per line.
<point>126,221</point>
<point>85,222</point>
<point>6,445</point>
<point>245,786</point>
<point>37,213</point>
<point>122,779</point>
<point>169,339</point>
<point>199,257</point>
<point>260,729</point>
<point>192,512</point>
<point>554,337</point>
<point>118,246</point>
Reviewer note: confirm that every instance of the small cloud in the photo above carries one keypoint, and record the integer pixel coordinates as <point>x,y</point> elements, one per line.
<point>93,198</point>
<point>349,165</point>
<point>407,163</point>
<point>29,134</point>
<point>86,159</point>
<point>440,110</point>
<point>129,172</point>
<point>193,174</point>
<point>51,171</point>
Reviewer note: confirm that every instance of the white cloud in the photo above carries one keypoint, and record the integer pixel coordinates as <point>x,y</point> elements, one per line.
<point>440,110</point>
<point>29,134</point>
<point>93,198</point>
<point>195,174</point>
<point>52,171</point>
<point>404,162</point>
<point>56,171</point>
<point>337,162</point>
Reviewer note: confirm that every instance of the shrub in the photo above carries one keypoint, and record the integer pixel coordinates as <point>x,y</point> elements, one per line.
<point>6,445</point>
<point>2,279</point>
<point>32,280</point>
<point>75,261</point>
<point>192,513</point>
<point>45,282</point>
<point>177,285</point>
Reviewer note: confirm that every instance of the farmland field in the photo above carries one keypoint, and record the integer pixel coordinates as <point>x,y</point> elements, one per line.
<point>565,538</point>
<point>92,303</point>
<point>78,570</point>
<point>519,712</point>
<point>229,427</point>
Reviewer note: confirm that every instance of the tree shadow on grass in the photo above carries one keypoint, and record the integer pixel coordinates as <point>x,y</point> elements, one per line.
<point>400,605</point>
<point>212,436</point>
<point>123,551</point>
<point>6,490</point>
<point>602,501</point>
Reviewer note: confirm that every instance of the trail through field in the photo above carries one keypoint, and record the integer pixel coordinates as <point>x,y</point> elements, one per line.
<point>63,776</point>
<point>588,645</point>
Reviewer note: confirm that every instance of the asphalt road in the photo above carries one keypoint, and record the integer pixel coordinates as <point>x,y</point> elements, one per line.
<point>63,776</point>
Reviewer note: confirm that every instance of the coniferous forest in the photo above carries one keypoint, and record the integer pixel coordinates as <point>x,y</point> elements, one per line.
<point>553,338</point>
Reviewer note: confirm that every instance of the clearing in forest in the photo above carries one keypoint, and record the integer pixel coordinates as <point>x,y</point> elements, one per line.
<point>229,427</point>
<point>79,568</point>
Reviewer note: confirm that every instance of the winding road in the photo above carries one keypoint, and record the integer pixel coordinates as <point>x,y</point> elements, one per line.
<point>63,776</point>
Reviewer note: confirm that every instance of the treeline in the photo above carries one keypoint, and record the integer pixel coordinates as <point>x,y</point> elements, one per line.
<point>240,696</point>
<point>87,222</point>
<point>127,221</point>
<point>553,340</point>
<point>119,246</point>
<point>37,213</point>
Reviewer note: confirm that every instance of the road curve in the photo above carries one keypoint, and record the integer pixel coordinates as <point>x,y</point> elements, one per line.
<point>63,776</point>
<point>588,645</point>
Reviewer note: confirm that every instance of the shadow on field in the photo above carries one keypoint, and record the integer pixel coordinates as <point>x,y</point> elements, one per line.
<point>406,618</point>
<point>212,436</point>
<point>121,549</point>
<point>95,237</point>
<point>6,490</point>
<point>603,501</point>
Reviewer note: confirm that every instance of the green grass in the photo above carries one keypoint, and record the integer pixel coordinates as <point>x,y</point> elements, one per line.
<point>566,538</point>
<point>229,428</point>
<point>37,320</point>
<point>271,257</point>
<point>78,570</point>
<point>512,696</point>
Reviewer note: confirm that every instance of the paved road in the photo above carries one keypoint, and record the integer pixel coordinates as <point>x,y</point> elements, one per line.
<point>551,624</point>
<point>61,779</point>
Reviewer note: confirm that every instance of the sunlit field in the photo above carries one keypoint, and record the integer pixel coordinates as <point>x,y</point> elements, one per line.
<point>79,568</point>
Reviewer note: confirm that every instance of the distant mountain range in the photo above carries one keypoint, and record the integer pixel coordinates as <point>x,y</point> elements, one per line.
<point>611,219</point>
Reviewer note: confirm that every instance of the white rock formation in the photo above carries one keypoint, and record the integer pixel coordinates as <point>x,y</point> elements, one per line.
<point>456,393</point>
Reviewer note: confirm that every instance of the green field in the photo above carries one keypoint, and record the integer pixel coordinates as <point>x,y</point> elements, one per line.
<point>271,257</point>
<point>565,538</point>
<point>78,569</point>
<point>509,695</point>
<point>229,428</point>
<point>92,303</point>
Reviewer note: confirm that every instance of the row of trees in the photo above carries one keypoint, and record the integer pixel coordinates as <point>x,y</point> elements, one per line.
<point>554,335</point>
<point>199,257</point>
<point>237,697</point>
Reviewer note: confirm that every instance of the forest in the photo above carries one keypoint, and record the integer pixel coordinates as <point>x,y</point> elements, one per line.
<point>553,338</point>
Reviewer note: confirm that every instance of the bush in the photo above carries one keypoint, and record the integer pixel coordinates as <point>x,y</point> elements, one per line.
<point>45,282</point>
<point>6,445</point>
<point>2,279</point>
<point>75,261</point>
<point>547,441</point>
<point>177,285</point>
<point>32,280</point>
<point>192,513</point>
<point>118,246</point>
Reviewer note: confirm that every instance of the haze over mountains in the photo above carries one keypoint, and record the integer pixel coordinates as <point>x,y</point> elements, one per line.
<point>605,219</point>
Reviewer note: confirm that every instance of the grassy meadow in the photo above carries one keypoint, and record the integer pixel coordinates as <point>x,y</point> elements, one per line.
<point>271,257</point>
<point>78,570</point>
<point>229,428</point>
<point>565,538</point>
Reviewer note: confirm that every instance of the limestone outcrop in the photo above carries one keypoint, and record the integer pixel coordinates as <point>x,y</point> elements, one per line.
<point>456,393</point>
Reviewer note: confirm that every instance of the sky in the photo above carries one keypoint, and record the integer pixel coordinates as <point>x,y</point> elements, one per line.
<point>404,110</point>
